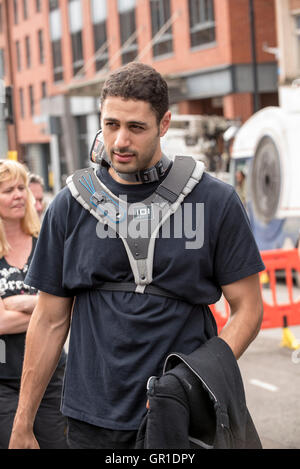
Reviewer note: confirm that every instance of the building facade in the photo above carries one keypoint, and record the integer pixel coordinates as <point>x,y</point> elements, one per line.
<point>214,54</point>
<point>288,31</point>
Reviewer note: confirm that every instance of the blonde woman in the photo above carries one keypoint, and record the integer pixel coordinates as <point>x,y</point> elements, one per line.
<point>19,228</point>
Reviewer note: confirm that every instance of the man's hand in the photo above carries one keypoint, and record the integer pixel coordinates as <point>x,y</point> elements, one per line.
<point>23,439</point>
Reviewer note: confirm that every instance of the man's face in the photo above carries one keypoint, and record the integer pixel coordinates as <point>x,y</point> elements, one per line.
<point>131,134</point>
<point>38,195</point>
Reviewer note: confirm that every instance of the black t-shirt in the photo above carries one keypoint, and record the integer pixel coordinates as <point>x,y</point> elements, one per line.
<point>119,339</point>
<point>12,283</point>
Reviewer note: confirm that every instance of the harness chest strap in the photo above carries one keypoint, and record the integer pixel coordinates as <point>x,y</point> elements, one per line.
<point>149,214</point>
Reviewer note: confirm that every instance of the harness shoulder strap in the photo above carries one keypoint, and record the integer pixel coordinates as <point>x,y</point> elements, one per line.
<point>177,179</point>
<point>86,188</point>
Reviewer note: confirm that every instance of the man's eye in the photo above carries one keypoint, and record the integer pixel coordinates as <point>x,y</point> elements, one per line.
<point>136,128</point>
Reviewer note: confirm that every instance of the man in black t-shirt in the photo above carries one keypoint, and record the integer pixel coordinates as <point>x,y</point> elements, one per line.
<point>120,338</point>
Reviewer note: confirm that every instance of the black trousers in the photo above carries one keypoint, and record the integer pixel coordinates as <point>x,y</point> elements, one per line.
<point>82,435</point>
<point>50,424</point>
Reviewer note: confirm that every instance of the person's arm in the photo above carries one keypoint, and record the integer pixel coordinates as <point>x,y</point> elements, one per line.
<point>25,303</point>
<point>246,305</point>
<point>12,319</point>
<point>46,335</point>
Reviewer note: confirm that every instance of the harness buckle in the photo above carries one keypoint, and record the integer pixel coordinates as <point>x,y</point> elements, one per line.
<point>97,199</point>
<point>150,175</point>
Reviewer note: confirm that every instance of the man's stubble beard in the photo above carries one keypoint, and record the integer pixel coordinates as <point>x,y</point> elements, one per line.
<point>140,164</point>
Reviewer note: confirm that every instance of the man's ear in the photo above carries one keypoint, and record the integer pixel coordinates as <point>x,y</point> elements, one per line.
<point>165,123</point>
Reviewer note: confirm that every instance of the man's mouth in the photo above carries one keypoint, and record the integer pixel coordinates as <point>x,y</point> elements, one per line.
<point>123,157</point>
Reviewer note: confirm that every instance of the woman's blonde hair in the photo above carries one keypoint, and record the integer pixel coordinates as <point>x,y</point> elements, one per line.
<point>12,171</point>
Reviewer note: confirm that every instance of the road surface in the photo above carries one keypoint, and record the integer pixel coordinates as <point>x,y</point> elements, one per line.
<point>271,377</point>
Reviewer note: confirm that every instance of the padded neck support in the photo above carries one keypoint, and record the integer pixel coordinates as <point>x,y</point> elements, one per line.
<point>147,175</point>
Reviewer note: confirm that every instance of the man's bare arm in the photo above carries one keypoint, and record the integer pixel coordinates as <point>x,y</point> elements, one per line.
<point>244,298</point>
<point>46,335</point>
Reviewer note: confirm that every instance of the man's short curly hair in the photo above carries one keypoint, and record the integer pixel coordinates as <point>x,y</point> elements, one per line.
<point>138,81</point>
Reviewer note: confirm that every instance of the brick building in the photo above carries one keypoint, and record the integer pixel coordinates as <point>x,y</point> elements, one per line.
<point>288,32</point>
<point>56,54</point>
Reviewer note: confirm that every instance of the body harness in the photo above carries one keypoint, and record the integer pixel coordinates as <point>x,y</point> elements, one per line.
<point>137,224</point>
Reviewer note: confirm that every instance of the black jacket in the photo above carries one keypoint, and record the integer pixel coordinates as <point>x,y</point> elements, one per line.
<point>199,402</point>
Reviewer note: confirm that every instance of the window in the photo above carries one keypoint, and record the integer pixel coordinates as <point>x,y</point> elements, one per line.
<point>297,20</point>
<point>28,52</point>
<point>75,25</point>
<point>2,64</point>
<point>1,18</point>
<point>53,5</point>
<point>57,60</point>
<point>77,52</point>
<point>160,14</point>
<point>202,22</point>
<point>25,9</point>
<point>38,7</point>
<point>44,89</point>
<point>99,16</point>
<point>18,55</point>
<point>41,46</point>
<point>16,12</point>
<point>56,34</point>
<point>31,100</point>
<point>21,99</point>
<point>128,29</point>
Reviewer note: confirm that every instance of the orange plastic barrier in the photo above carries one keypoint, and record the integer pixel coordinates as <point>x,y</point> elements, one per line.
<point>282,268</point>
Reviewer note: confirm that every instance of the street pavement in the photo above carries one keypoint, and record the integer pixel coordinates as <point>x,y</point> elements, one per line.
<point>271,376</point>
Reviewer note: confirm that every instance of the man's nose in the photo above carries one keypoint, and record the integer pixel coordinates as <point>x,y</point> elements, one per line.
<point>38,205</point>
<point>122,139</point>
